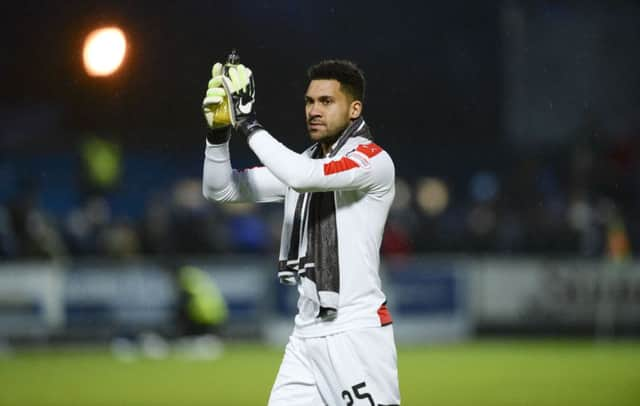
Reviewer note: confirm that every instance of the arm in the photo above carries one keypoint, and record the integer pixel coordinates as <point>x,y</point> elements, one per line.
<point>223,184</point>
<point>219,181</point>
<point>367,167</point>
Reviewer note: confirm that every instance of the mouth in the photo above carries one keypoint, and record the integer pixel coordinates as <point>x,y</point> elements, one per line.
<point>315,125</point>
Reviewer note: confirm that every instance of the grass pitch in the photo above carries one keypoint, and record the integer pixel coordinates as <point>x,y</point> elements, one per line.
<point>491,373</point>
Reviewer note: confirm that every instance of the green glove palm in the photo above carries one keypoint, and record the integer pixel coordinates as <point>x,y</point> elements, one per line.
<point>215,104</point>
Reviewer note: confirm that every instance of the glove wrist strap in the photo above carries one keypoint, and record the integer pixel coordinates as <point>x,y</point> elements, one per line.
<point>219,135</point>
<point>249,125</point>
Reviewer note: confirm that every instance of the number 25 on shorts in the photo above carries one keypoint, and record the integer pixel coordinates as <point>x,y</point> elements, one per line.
<point>346,395</point>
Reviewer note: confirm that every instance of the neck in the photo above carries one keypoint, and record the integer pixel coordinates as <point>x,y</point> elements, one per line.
<point>326,145</point>
<point>328,142</point>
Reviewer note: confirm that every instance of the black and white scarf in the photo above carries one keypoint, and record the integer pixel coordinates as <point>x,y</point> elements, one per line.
<point>309,242</point>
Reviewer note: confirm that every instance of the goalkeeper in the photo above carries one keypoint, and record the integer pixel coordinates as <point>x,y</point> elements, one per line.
<point>336,196</point>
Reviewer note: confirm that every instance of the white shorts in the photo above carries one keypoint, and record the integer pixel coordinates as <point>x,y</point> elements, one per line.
<point>356,367</point>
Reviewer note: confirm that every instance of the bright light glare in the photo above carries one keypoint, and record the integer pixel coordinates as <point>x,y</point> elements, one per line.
<point>104,51</point>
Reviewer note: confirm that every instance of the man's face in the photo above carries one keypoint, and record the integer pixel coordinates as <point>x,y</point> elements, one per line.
<point>328,109</point>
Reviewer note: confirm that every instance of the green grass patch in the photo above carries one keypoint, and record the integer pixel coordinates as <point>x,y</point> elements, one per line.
<point>491,373</point>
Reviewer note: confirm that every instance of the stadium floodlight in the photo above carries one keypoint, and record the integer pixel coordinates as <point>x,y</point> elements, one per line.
<point>104,51</point>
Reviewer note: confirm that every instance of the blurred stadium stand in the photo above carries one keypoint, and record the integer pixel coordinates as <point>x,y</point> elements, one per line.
<point>560,204</point>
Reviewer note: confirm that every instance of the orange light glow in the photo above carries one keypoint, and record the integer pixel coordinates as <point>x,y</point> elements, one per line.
<point>104,51</point>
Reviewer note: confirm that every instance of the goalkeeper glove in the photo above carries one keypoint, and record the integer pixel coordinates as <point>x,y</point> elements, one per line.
<point>216,109</point>
<point>240,91</point>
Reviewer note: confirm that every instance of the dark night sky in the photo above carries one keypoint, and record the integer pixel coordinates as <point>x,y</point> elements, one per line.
<point>431,69</point>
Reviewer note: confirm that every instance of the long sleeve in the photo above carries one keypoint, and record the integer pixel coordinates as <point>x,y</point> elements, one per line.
<point>365,167</point>
<point>222,183</point>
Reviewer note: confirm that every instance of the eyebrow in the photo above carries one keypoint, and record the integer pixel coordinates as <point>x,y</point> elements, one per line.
<point>320,98</point>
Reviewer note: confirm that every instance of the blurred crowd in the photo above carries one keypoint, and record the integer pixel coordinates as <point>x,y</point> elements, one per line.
<point>576,200</point>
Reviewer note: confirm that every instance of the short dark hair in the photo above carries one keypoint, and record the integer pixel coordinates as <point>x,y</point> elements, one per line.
<point>349,75</point>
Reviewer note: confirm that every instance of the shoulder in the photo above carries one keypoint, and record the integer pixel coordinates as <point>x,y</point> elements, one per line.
<point>371,157</point>
<point>365,152</point>
<point>363,145</point>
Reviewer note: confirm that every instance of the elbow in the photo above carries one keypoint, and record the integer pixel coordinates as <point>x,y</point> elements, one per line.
<point>296,184</point>
<point>215,195</point>
<point>301,180</point>
<point>300,184</point>
<point>208,193</point>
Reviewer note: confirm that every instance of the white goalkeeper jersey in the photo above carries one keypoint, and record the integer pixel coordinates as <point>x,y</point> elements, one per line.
<point>362,176</point>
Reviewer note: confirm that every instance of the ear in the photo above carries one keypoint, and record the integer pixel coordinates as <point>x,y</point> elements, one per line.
<point>355,109</point>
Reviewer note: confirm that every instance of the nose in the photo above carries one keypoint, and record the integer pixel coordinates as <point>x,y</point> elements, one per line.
<point>313,110</point>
